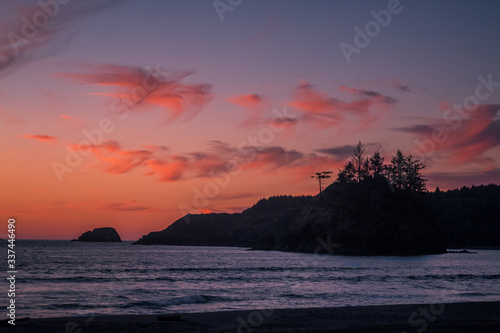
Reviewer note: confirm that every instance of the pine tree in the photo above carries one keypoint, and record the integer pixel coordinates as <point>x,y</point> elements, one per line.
<point>397,170</point>
<point>415,182</point>
<point>404,172</point>
<point>377,166</point>
<point>347,174</point>
<point>358,162</point>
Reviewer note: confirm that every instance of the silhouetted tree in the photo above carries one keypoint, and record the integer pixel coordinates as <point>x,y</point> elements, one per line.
<point>347,174</point>
<point>359,162</point>
<point>414,181</point>
<point>320,176</point>
<point>366,169</point>
<point>377,166</point>
<point>404,172</point>
<point>397,170</point>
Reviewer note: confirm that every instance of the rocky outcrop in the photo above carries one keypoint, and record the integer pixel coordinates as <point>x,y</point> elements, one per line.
<point>262,225</point>
<point>353,219</point>
<point>105,234</point>
<point>367,218</point>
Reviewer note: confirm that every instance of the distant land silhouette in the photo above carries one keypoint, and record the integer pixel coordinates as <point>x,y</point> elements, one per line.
<point>105,234</point>
<point>362,219</point>
<point>372,208</point>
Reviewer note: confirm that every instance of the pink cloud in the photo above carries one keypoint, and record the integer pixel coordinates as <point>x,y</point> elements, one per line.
<point>461,139</point>
<point>41,137</point>
<point>366,108</point>
<point>287,124</point>
<point>139,89</point>
<point>116,160</point>
<point>170,171</point>
<point>220,158</point>
<point>254,103</point>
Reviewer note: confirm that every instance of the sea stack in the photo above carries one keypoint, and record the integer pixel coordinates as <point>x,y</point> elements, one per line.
<point>105,234</point>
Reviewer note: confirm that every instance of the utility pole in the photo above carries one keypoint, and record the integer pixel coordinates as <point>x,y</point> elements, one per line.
<point>319,176</point>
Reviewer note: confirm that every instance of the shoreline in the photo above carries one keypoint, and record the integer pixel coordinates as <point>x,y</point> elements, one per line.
<point>445,317</point>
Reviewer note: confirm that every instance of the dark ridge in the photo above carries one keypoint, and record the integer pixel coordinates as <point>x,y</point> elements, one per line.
<point>366,218</point>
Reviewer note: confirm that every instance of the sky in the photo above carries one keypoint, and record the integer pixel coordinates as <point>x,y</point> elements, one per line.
<point>131,114</point>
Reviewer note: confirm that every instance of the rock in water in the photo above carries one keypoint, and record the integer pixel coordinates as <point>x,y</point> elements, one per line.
<point>106,234</point>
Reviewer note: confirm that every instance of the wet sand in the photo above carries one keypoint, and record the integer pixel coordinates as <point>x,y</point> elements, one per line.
<point>450,317</point>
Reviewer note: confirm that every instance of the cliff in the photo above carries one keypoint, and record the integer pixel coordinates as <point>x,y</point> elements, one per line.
<point>105,234</point>
<point>367,218</point>
<point>364,219</point>
<point>264,223</point>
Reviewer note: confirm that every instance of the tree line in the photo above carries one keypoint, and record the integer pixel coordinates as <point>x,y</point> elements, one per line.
<point>403,172</point>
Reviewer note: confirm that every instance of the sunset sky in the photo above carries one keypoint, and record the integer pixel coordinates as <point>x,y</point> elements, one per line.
<point>131,114</point>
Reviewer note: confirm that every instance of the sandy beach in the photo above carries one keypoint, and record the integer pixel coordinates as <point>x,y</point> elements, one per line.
<point>452,317</point>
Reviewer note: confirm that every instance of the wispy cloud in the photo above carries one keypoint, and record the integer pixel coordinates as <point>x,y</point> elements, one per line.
<point>342,153</point>
<point>219,158</point>
<point>125,206</point>
<point>41,137</point>
<point>142,88</point>
<point>253,103</point>
<point>115,160</point>
<point>365,108</point>
<point>464,140</point>
<point>288,124</point>
<point>416,129</point>
<point>256,105</point>
<point>23,41</point>
<point>396,84</point>
<point>117,205</point>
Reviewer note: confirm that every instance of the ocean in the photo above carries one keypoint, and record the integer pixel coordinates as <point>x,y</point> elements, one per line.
<point>62,278</point>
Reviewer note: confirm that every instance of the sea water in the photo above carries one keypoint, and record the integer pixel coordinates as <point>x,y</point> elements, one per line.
<point>62,278</point>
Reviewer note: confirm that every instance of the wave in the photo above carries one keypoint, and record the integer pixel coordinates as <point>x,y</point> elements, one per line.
<point>269,278</point>
<point>454,277</point>
<point>471,294</point>
<point>265,269</point>
<point>192,299</point>
<point>75,306</point>
<point>292,295</point>
<point>72,279</point>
